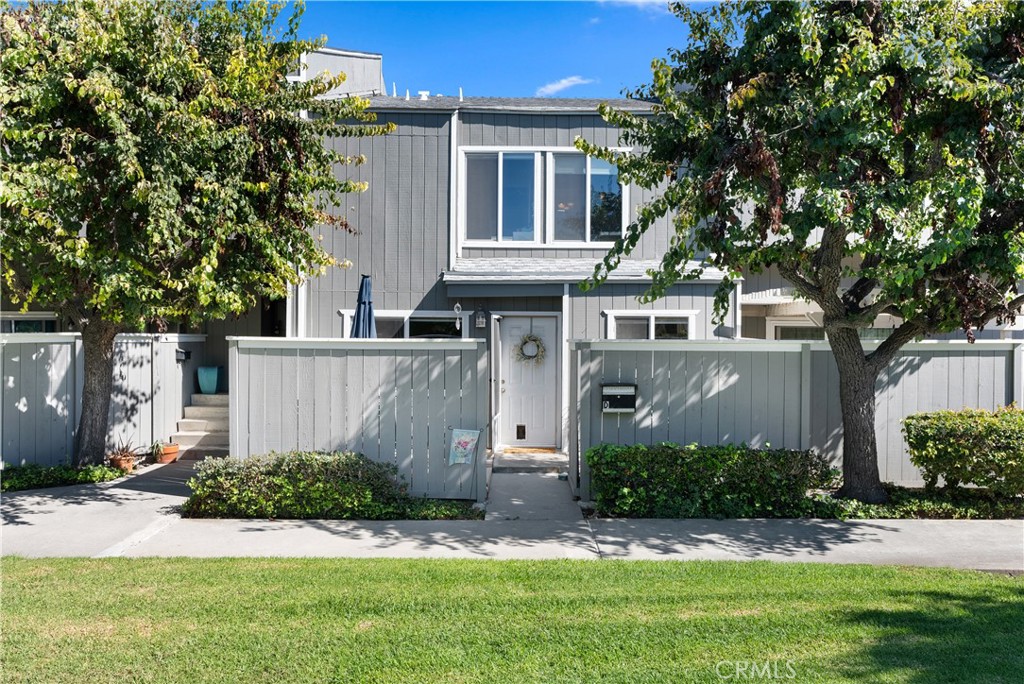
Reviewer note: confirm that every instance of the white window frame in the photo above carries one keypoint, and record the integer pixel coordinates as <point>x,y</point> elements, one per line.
<point>30,316</point>
<point>405,315</point>
<point>538,198</point>
<point>611,317</point>
<point>772,323</point>
<point>544,214</point>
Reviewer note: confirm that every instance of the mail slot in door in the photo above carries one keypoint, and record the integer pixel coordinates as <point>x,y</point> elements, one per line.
<point>618,398</point>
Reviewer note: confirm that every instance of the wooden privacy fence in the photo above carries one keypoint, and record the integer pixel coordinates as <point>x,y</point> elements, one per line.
<point>785,394</point>
<point>43,374</point>
<point>396,401</point>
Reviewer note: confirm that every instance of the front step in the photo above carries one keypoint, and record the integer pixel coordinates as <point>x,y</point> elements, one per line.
<point>210,400</point>
<point>202,453</point>
<point>208,424</point>
<point>533,461</point>
<point>191,439</point>
<point>206,412</point>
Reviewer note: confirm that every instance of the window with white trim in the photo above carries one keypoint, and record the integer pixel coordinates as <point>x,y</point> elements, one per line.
<point>540,197</point>
<point>31,322</point>
<point>408,324</point>
<point>658,325</point>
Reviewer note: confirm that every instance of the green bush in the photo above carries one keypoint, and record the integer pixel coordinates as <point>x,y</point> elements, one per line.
<point>669,481</point>
<point>307,485</point>
<point>905,503</point>
<point>37,477</point>
<point>972,446</point>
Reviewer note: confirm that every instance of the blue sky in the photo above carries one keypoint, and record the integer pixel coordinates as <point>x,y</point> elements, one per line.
<point>508,49</point>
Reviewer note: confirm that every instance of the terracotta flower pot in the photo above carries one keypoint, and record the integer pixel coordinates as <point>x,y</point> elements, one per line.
<point>123,463</point>
<point>168,453</point>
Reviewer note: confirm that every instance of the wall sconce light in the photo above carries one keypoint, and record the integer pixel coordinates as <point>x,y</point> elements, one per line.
<point>480,318</point>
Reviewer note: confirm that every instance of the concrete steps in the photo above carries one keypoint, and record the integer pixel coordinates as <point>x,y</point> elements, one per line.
<point>205,424</point>
<point>524,461</point>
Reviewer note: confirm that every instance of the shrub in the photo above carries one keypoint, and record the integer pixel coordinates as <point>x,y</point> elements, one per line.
<point>306,485</point>
<point>37,477</point>
<point>971,446</point>
<point>669,481</point>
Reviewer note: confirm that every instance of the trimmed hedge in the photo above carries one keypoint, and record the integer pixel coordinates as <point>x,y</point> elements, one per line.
<point>972,446</point>
<point>17,478</point>
<point>670,481</point>
<point>310,485</point>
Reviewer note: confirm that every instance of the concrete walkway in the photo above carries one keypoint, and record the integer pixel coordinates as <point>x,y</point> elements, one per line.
<point>530,515</point>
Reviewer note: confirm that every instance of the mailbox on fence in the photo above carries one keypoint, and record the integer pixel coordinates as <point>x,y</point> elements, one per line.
<point>618,398</point>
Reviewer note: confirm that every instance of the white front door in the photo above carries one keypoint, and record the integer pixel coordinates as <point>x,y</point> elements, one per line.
<point>528,387</point>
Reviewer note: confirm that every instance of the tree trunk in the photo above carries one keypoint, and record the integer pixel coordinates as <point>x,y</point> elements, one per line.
<point>857,400</point>
<point>98,345</point>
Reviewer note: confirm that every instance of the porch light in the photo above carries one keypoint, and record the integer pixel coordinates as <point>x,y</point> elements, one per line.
<point>480,318</point>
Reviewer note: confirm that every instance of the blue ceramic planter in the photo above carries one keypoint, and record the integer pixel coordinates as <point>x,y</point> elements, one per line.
<point>209,377</point>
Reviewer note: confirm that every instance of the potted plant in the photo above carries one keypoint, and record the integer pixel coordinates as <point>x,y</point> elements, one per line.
<point>123,457</point>
<point>164,452</point>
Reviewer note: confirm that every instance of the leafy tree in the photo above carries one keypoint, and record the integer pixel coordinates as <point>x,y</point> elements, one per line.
<point>156,167</point>
<point>871,152</point>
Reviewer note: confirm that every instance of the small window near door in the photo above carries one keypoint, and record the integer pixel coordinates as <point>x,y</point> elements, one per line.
<point>799,332</point>
<point>671,328</point>
<point>28,325</point>
<point>390,328</point>
<point>633,325</point>
<point>433,327</point>
<point>631,328</point>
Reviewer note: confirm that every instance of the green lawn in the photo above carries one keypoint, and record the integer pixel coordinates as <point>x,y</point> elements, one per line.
<point>264,620</point>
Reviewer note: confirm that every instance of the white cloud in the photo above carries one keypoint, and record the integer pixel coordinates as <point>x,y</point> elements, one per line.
<point>654,6</point>
<point>594,21</point>
<point>556,87</point>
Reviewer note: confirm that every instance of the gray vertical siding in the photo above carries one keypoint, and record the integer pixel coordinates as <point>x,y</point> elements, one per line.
<point>43,377</point>
<point>395,401</point>
<point>401,222</point>
<point>363,73</point>
<point>550,130</point>
<point>785,394</point>
<point>586,319</point>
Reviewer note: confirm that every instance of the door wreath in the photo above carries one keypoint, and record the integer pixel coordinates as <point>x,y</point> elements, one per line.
<point>530,350</point>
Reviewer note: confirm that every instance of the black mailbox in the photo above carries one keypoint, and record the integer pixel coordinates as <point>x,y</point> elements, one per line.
<point>182,355</point>
<point>618,398</point>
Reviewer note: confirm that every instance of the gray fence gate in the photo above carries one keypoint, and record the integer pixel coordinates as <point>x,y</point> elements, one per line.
<point>395,401</point>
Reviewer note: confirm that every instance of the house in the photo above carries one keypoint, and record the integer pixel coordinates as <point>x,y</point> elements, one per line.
<point>480,221</point>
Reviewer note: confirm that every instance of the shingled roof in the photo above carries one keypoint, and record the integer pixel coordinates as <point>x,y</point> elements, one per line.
<point>505,104</point>
<point>545,270</point>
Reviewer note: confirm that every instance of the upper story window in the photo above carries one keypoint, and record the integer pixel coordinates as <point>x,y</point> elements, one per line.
<point>540,197</point>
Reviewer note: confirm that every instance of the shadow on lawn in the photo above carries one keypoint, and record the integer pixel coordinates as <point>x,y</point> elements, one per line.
<point>946,637</point>
<point>20,507</point>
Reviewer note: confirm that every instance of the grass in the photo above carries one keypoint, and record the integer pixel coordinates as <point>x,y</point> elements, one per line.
<point>283,620</point>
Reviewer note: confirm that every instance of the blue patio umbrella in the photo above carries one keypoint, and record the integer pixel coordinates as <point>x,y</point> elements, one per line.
<point>363,324</point>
